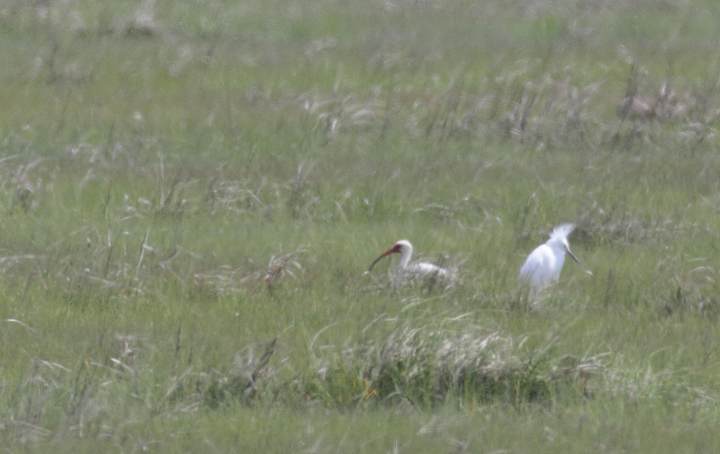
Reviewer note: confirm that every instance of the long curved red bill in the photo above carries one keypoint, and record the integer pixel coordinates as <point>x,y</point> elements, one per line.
<point>384,254</point>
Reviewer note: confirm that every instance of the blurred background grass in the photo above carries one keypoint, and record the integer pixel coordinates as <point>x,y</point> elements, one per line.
<point>183,182</point>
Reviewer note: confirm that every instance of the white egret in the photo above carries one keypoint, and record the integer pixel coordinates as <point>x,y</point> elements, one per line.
<point>543,265</point>
<point>404,270</point>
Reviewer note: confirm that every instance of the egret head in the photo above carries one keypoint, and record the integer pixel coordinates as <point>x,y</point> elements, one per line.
<point>566,247</point>
<point>558,238</point>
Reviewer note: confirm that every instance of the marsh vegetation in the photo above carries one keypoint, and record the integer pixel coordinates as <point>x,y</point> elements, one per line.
<point>190,193</point>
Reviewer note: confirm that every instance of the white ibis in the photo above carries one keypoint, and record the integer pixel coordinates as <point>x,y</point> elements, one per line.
<point>405,270</point>
<point>543,265</point>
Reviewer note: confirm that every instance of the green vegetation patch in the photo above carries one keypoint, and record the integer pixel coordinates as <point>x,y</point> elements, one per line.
<point>191,194</point>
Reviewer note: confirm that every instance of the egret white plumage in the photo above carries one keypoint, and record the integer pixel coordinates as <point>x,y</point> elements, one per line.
<point>404,270</point>
<point>543,265</point>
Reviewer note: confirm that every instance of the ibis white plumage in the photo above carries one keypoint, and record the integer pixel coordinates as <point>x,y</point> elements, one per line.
<point>543,265</point>
<point>404,270</point>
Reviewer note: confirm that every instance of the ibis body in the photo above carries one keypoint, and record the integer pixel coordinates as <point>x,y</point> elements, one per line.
<point>404,270</point>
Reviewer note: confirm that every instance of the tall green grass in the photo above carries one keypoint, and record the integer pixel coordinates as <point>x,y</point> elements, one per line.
<point>190,194</point>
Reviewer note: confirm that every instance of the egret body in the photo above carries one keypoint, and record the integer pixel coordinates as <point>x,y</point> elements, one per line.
<point>543,265</point>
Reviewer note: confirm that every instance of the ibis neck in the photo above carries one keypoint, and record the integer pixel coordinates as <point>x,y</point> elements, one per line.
<point>405,256</point>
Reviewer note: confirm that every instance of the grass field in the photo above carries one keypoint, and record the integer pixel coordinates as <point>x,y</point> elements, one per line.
<point>191,192</point>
